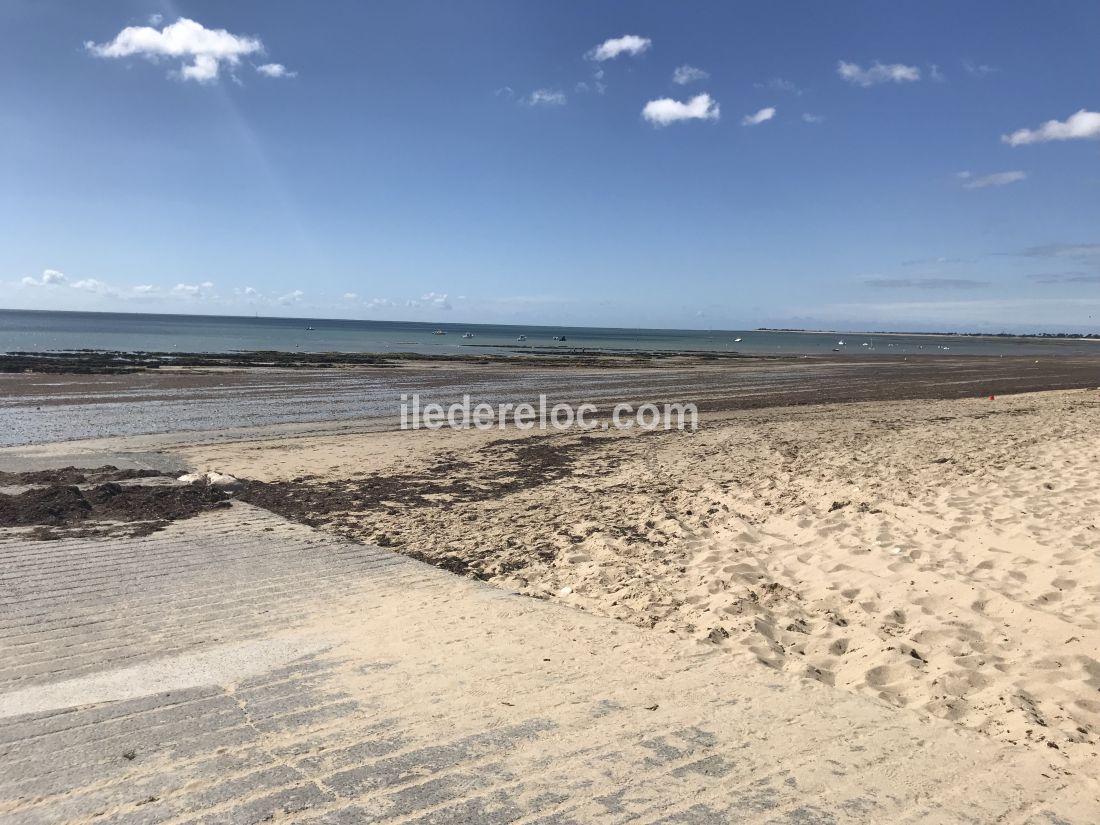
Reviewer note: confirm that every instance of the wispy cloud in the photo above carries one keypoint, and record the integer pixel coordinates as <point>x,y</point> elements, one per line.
<point>994,179</point>
<point>293,297</point>
<point>275,70</point>
<point>811,118</point>
<point>778,84</point>
<point>1054,250</point>
<point>1066,277</point>
<point>629,44</point>
<point>431,300</point>
<point>938,260</point>
<point>201,50</point>
<point>877,73</point>
<point>546,97</point>
<point>925,283</point>
<point>977,69</point>
<point>1079,126</point>
<point>757,118</point>
<point>685,74</point>
<point>666,110</point>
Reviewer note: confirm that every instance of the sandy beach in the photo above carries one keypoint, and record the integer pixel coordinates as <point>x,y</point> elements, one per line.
<point>937,556</point>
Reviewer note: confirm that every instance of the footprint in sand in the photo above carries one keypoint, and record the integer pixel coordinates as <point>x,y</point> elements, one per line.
<point>839,647</point>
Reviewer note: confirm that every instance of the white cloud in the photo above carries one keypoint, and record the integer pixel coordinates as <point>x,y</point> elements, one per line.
<point>251,292</point>
<point>156,19</point>
<point>685,74</point>
<point>756,119</point>
<point>436,300</point>
<point>877,73</point>
<point>291,297</point>
<point>350,296</point>
<point>546,97</point>
<point>202,50</point>
<point>935,73</point>
<point>630,44</point>
<point>995,179</point>
<point>977,69</point>
<point>1080,125</point>
<point>666,110</point>
<point>144,289</point>
<point>192,290</point>
<point>275,70</point>
<point>93,285</point>
<point>809,118</point>
<point>50,277</point>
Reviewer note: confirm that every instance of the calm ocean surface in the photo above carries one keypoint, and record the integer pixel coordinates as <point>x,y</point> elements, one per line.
<point>28,331</point>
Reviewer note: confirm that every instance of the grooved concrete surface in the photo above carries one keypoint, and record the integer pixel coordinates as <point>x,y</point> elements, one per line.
<point>236,668</point>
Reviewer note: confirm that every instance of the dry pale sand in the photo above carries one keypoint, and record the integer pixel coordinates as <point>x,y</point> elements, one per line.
<point>942,556</point>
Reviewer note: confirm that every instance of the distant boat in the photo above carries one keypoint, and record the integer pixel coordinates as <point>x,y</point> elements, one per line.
<point>559,337</point>
<point>309,329</point>
<point>522,338</point>
<point>737,340</point>
<point>468,335</point>
<point>840,343</point>
<point>439,332</point>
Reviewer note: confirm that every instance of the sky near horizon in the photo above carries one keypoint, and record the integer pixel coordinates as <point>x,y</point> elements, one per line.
<point>653,164</point>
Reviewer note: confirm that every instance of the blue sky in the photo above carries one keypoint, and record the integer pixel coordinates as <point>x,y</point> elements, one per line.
<point>852,165</point>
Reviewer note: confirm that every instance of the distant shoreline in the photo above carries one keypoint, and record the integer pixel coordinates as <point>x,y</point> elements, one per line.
<point>1039,336</point>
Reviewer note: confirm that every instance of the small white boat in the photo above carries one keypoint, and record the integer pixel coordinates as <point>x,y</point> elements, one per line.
<point>522,338</point>
<point>309,329</point>
<point>737,340</point>
<point>840,343</point>
<point>467,335</point>
<point>439,332</point>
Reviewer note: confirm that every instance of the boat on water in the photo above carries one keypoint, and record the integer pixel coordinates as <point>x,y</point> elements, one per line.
<point>522,338</point>
<point>559,337</point>
<point>439,332</point>
<point>840,343</point>
<point>737,340</point>
<point>309,329</point>
<point>467,335</point>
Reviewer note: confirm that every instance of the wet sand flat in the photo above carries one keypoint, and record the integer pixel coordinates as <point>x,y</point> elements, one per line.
<point>40,408</point>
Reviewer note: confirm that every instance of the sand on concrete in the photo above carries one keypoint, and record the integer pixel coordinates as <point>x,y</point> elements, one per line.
<point>940,556</point>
